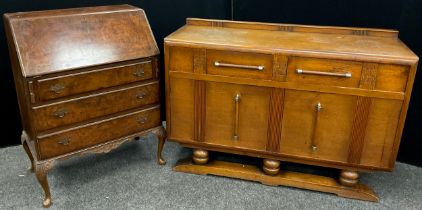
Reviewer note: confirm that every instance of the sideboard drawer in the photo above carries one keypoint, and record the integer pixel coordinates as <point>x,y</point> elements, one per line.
<point>56,87</point>
<point>317,125</point>
<point>239,64</point>
<point>88,107</point>
<point>236,115</point>
<point>77,138</point>
<point>324,72</point>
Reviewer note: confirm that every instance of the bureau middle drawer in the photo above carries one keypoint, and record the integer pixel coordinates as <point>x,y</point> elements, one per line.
<point>80,82</point>
<point>324,72</point>
<point>91,106</point>
<point>239,64</point>
<point>62,142</point>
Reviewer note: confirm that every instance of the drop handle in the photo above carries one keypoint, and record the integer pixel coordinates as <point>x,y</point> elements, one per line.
<point>142,120</point>
<point>61,113</point>
<point>141,95</point>
<point>139,72</point>
<point>65,141</point>
<point>57,88</point>
<point>236,117</point>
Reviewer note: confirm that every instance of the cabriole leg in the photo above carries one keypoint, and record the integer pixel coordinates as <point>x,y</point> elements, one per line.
<point>41,170</point>
<point>161,140</point>
<point>24,140</point>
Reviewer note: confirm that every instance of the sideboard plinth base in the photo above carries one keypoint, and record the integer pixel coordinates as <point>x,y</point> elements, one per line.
<point>284,178</point>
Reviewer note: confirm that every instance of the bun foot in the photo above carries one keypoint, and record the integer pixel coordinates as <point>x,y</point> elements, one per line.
<point>349,178</point>
<point>271,167</point>
<point>200,156</point>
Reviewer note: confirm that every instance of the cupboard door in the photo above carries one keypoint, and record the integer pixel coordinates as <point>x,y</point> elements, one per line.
<point>236,115</point>
<point>317,125</point>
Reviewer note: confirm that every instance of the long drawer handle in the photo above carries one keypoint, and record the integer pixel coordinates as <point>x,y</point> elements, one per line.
<point>322,73</point>
<point>236,117</point>
<point>318,109</point>
<point>57,88</point>
<point>139,72</point>
<point>65,141</point>
<point>61,113</point>
<point>219,64</point>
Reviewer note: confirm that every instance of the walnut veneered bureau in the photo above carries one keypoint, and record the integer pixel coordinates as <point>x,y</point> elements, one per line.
<point>86,80</point>
<point>327,96</point>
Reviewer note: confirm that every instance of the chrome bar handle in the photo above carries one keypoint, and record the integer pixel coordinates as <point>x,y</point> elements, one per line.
<point>318,109</point>
<point>220,64</point>
<point>322,73</point>
<point>236,117</point>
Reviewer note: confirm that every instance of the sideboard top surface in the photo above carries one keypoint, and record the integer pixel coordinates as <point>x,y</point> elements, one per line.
<point>58,40</point>
<point>365,44</point>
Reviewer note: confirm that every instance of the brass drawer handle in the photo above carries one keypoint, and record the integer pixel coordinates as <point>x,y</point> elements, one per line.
<point>65,141</point>
<point>142,120</point>
<point>322,73</point>
<point>219,64</point>
<point>57,88</point>
<point>61,113</point>
<point>139,72</point>
<point>236,117</point>
<point>318,109</point>
<point>141,95</point>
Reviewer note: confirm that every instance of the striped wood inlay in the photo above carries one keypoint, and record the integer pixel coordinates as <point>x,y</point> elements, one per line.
<point>279,67</point>
<point>199,113</point>
<point>368,77</point>
<point>357,135</point>
<point>274,121</point>
<point>199,61</point>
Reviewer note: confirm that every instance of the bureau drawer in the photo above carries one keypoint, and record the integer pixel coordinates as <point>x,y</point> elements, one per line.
<point>73,139</point>
<point>324,72</point>
<point>239,64</point>
<point>56,87</point>
<point>88,107</point>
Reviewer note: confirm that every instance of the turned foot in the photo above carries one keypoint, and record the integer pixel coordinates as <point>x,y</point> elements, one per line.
<point>271,167</point>
<point>200,156</point>
<point>41,171</point>
<point>349,178</point>
<point>24,140</point>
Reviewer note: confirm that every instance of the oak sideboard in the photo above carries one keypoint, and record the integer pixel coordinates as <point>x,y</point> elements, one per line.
<point>335,97</point>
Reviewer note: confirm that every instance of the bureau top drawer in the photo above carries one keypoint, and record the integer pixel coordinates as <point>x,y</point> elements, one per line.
<point>60,86</point>
<point>239,64</point>
<point>324,72</point>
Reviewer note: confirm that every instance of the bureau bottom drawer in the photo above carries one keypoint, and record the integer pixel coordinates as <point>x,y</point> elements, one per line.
<point>73,139</point>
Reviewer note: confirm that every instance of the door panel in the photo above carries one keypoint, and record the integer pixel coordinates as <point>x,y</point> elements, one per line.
<point>324,134</point>
<point>252,123</point>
